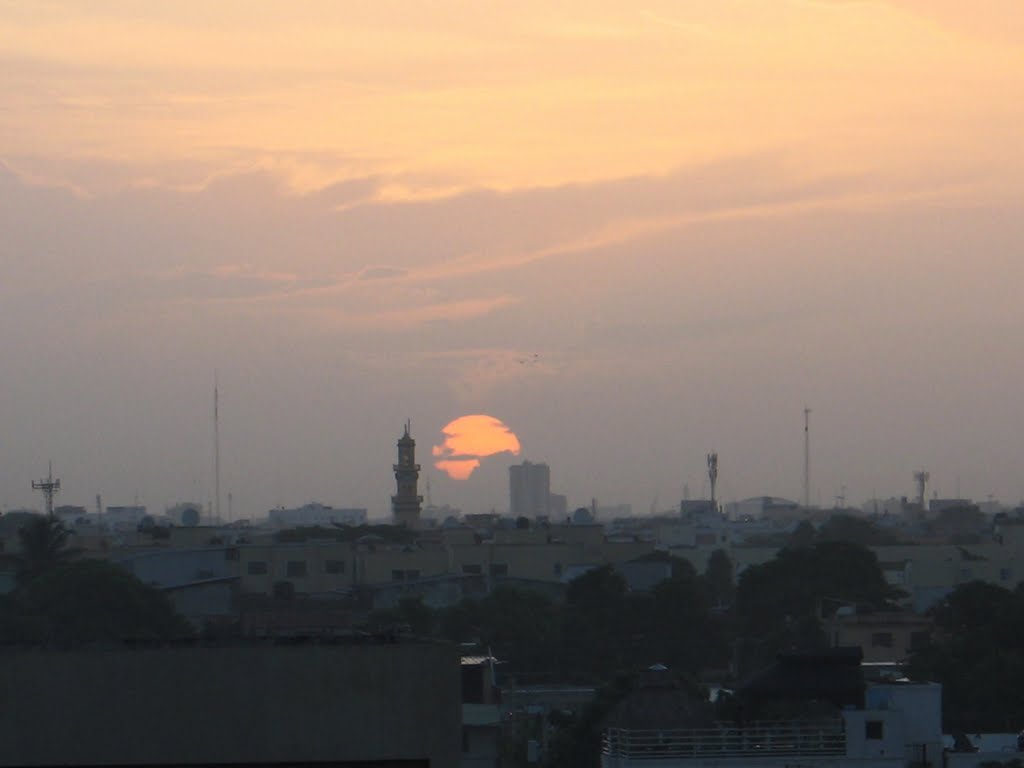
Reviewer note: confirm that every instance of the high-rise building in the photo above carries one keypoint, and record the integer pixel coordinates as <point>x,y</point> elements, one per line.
<point>529,488</point>
<point>406,503</point>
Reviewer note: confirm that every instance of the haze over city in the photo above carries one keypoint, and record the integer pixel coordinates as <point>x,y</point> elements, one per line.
<point>630,235</point>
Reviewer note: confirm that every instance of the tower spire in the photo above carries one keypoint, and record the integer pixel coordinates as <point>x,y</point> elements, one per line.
<point>807,457</point>
<point>713,476</point>
<point>406,504</point>
<point>216,448</point>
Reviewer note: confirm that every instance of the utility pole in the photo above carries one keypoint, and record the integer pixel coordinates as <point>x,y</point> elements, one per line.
<point>49,487</point>
<point>807,457</point>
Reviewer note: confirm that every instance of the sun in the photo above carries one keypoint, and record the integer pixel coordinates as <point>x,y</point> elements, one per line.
<point>468,439</point>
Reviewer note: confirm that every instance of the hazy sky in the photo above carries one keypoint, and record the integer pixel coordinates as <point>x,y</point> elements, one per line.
<point>632,234</point>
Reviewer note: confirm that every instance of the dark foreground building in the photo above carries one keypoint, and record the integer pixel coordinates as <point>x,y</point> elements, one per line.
<point>395,705</point>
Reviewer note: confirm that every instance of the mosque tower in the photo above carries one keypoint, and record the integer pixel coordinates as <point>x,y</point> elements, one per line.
<point>406,503</point>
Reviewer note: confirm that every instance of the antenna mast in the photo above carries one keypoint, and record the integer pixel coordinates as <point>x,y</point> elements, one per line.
<point>216,448</point>
<point>49,487</point>
<point>807,457</point>
<point>713,476</point>
<point>921,477</point>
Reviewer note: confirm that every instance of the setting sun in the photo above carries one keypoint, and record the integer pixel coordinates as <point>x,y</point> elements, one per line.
<point>468,439</point>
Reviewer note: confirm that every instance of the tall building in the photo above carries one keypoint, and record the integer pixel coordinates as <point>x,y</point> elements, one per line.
<point>529,488</point>
<point>406,503</point>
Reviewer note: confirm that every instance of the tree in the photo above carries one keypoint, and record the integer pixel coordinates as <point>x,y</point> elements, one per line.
<point>686,635</point>
<point>411,612</point>
<point>577,743</point>
<point>778,603</point>
<point>809,582</point>
<point>44,546</point>
<point>803,536</point>
<point>719,576</point>
<point>977,653</point>
<point>855,530</point>
<point>519,626</point>
<point>594,624</point>
<point>89,601</point>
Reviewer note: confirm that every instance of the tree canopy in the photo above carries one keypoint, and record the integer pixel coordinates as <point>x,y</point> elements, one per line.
<point>978,655</point>
<point>44,545</point>
<point>779,603</point>
<point>88,601</point>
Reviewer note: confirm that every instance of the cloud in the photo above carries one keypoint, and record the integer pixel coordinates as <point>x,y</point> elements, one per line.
<point>468,439</point>
<point>381,273</point>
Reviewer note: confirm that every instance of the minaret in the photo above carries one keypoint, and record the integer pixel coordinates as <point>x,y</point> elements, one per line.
<point>405,504</point>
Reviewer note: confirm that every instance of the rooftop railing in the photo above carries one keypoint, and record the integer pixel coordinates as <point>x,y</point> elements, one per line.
<point>784,738</point>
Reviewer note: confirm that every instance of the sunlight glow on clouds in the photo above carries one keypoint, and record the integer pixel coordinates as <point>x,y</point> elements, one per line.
<point>468,439</point>
<point>506,98</point>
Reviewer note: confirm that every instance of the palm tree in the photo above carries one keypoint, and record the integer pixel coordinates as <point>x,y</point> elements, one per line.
<point>44,546</point>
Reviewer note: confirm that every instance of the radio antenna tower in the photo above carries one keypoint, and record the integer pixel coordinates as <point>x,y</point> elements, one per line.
<point>713,476</point>
<point>49,487</point>
<point>921,477</point>
<point>807,457</point>
<point>216,448</point>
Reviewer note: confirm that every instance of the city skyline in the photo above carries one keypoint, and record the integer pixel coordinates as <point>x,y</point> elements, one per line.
<point>508,462</point>
<point>633,236</point>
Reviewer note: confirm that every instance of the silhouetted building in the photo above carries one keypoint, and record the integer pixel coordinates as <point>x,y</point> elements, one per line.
<point>406,503</point>
<point>529,488</point>
<point>303,703</point>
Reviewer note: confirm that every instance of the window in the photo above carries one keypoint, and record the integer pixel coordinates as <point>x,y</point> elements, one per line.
<point>398,575</point>
<point>295,569</point>
<point>472,568</point>
<point>412,573</point>
<point>499,569</point>
<point>231,553</point>
<point>257,568</point>
<point>881,639</point>
<point>873,730</point>
<point>334,566</point>
<point>1005,574</point>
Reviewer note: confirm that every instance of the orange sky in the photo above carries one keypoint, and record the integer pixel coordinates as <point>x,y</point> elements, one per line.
<point>449,94</point>
<point>638,233</point>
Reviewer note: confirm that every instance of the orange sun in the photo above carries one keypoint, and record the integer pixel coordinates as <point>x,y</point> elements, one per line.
<point>468,439</point>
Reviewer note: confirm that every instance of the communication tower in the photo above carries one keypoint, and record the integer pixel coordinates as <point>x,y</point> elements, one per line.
<point>713,476</point>
<point>216,448</point>
<point>807,457</point>
<point>921,477</point>
<point>49,487</point>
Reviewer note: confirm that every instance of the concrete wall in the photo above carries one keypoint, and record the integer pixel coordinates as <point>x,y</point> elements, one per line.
<point>251,705</point>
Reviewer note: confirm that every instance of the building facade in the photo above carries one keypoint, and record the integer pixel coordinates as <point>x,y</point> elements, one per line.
<point>529,487</point>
